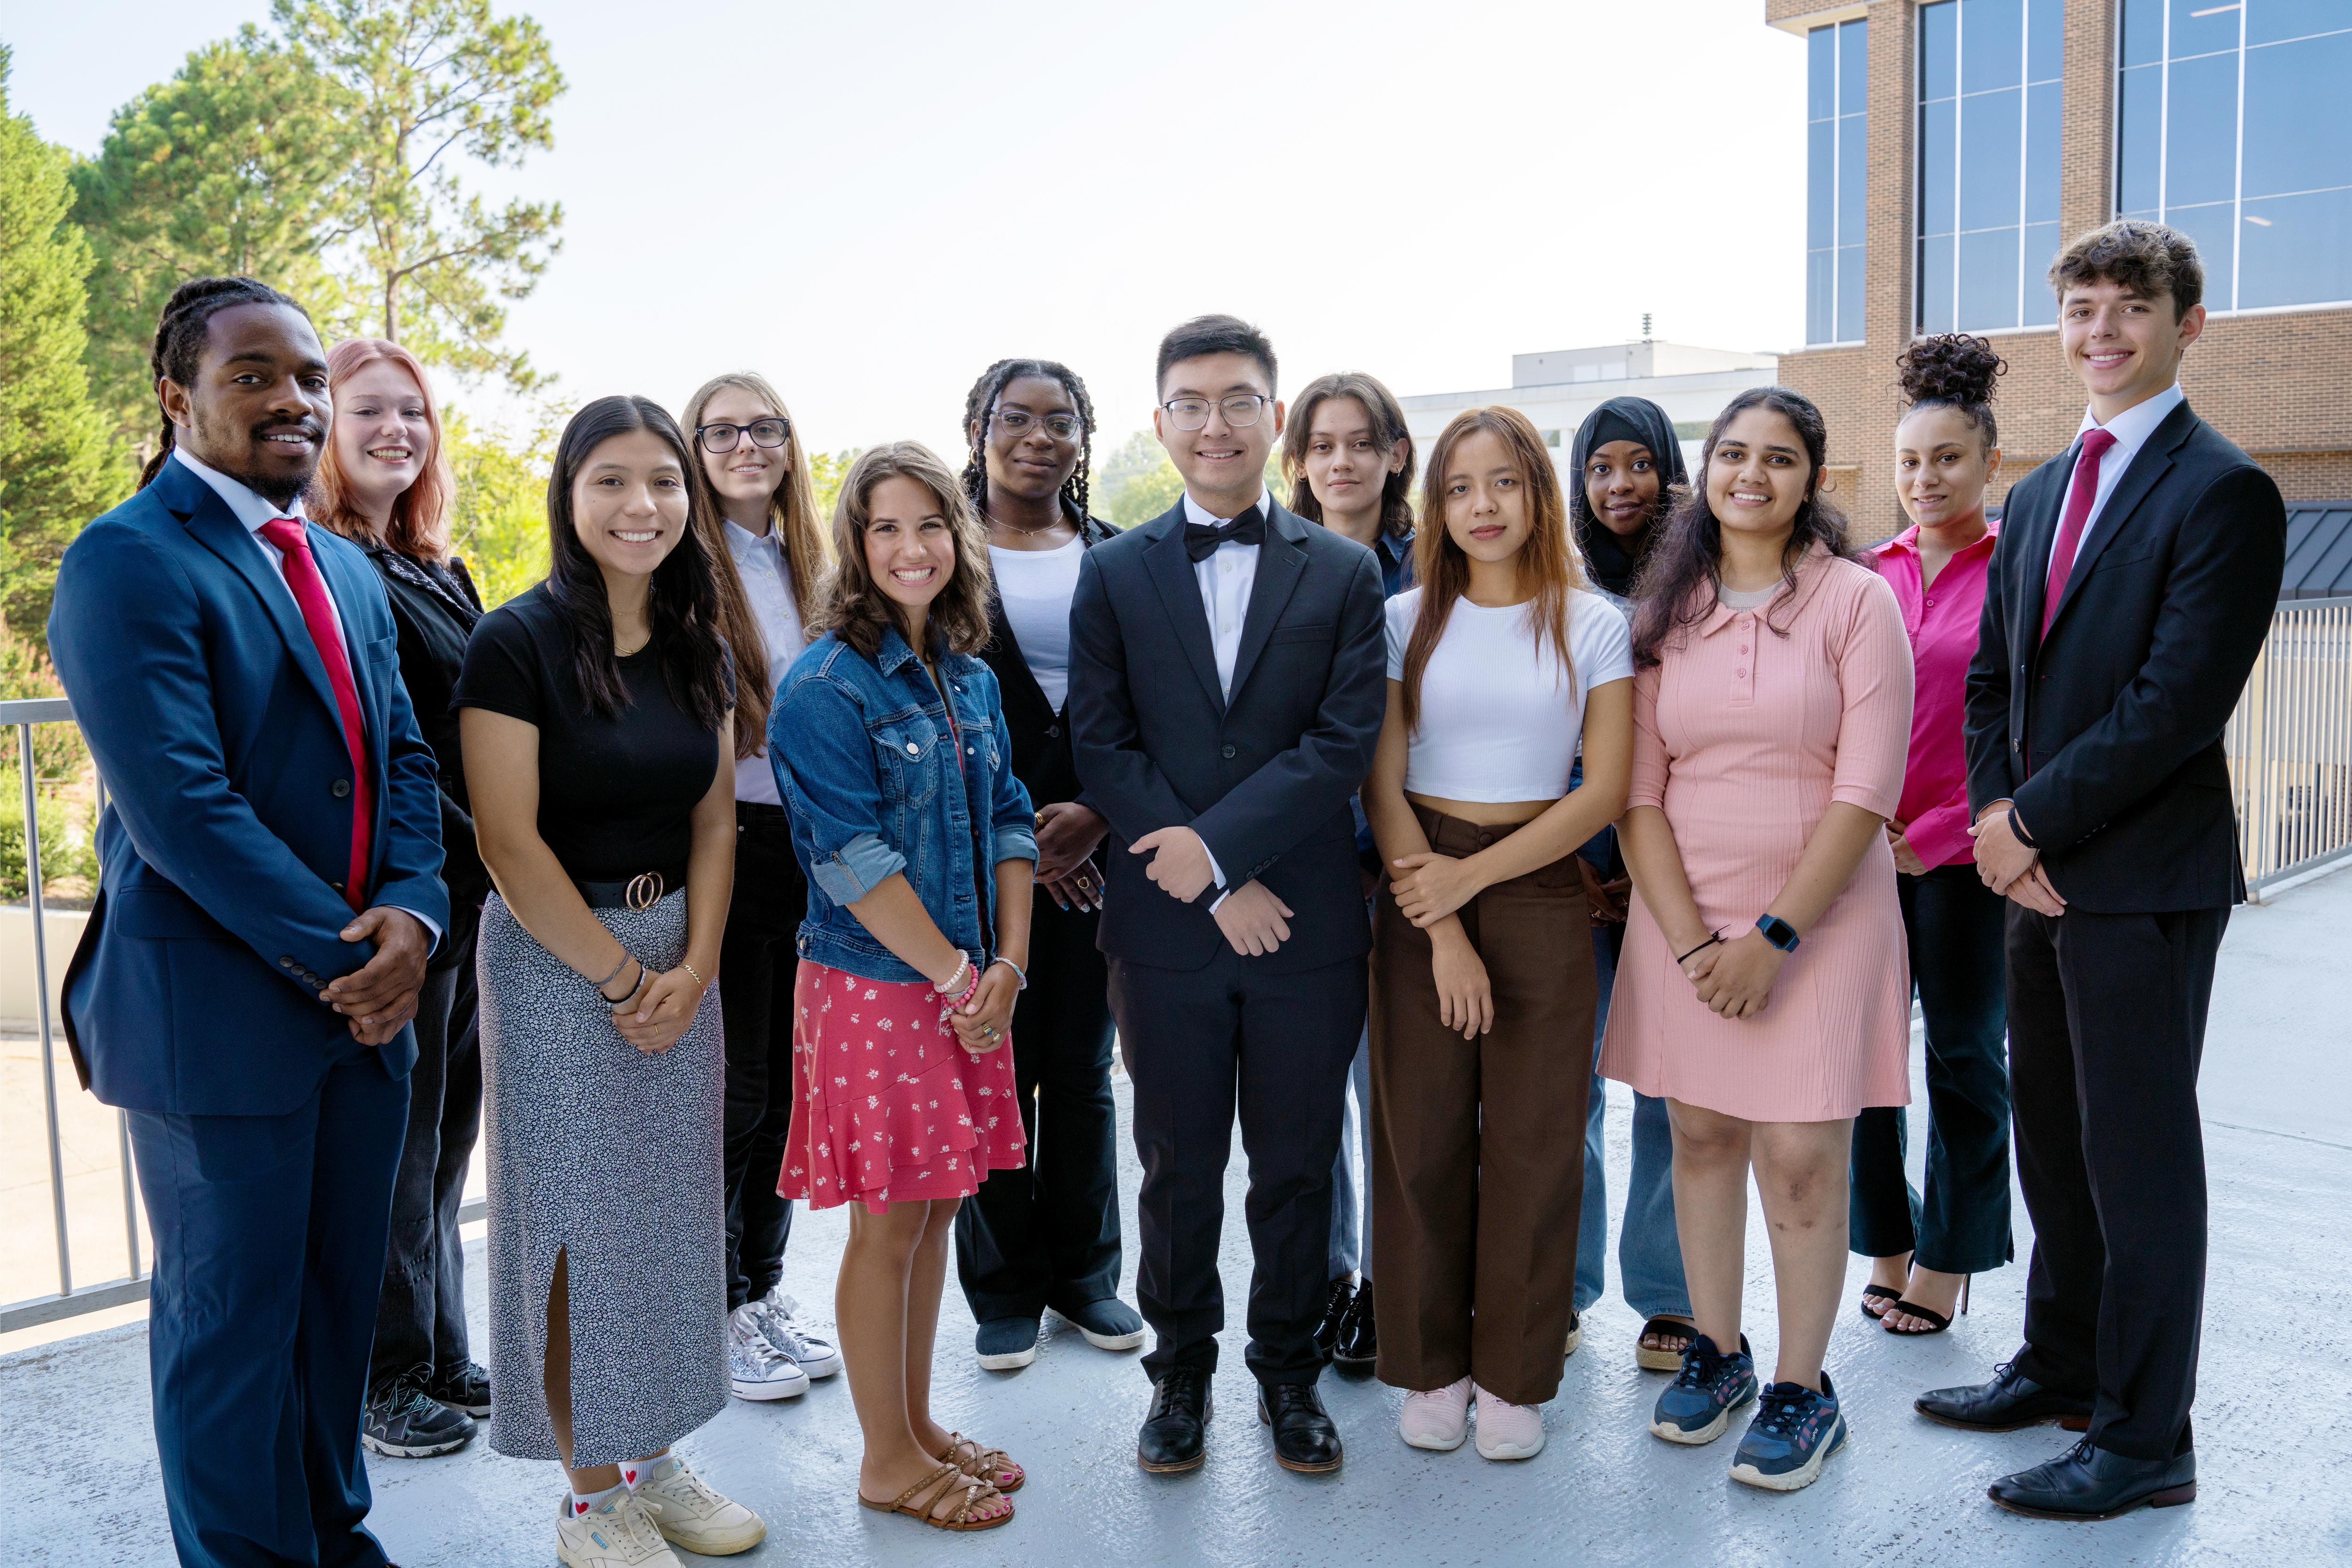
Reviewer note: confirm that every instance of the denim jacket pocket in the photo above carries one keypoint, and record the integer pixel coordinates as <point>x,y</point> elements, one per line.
<point>909,751</point>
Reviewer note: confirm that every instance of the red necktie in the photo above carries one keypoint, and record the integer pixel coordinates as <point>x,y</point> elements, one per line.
<point>2079,496</point>
<point>319,615</point>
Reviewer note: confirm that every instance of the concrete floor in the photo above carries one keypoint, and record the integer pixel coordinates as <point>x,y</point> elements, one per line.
<point>74,1436</point>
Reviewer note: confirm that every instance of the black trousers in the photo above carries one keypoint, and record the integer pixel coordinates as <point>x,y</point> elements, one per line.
<point>1199,1045</point>
<point>2106,1024</point>
<point>757,960</point>
<point>1955,928</point>
<point>420,1314</point>
<point>1047,1234</point>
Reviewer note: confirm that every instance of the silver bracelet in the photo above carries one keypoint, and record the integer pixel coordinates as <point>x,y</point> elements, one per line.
<point>600,984</point>
<point>963,963</point>
<point>643,974</point>
<point>1018,973</point>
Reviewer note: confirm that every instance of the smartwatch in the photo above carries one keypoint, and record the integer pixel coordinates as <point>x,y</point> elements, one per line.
<point>1778,931</point>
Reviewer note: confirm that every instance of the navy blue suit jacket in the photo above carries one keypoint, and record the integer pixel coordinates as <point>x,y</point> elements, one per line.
<point>227,831</point>
<point>1265,779</point>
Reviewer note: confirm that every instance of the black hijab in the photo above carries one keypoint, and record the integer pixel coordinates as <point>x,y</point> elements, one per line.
<point>1614,562</point>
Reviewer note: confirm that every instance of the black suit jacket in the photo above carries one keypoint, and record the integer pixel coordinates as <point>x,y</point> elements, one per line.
<point>1266,778</point>
<point>1039,736</point>
<point>2108,735</point>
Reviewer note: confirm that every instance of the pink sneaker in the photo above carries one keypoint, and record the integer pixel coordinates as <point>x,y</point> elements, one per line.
<point>1438,1418</point>
<point>1507,1431</point>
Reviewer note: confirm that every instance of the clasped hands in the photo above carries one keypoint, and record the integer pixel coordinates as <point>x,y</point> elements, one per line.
<point>379,997</point>
<point>1254,919</point>
<point>2009,865</point>
<point>656,1016</point>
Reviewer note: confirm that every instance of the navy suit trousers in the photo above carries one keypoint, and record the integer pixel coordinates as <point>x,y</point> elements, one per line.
<point>269,1248</point>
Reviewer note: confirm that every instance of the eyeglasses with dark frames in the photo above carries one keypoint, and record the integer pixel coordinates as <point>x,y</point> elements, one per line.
<point>717,439</point>
<point>1019,422</point>
<point>1242,409</point>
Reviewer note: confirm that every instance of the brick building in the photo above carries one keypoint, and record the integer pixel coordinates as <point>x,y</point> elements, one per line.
<point>1953,146</point>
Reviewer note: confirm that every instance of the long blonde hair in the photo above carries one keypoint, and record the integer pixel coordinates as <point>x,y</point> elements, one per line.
<point>791,513</point>
<point>1548,562</point>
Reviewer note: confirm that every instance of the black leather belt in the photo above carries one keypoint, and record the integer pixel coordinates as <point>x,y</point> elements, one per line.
<point>640,892</point>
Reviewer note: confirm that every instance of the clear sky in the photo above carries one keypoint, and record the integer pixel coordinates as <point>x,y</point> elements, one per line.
<point>869,202</point>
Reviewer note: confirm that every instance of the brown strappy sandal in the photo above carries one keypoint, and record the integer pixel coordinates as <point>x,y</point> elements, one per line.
<point>993,1465</point>
<point>934,1489</point>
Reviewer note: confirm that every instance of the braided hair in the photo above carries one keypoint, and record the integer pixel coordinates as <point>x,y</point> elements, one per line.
<point>180,338</point>
<point>980,407</point>
<point>1953,370</point>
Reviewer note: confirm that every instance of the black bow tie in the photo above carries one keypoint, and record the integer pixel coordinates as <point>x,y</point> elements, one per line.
<point>1200,542</point>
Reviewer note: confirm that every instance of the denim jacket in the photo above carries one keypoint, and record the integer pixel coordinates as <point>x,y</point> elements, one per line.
<point>863,756</point>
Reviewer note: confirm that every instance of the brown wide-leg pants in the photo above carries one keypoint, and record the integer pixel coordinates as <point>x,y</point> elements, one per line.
<point>1478,1144</point>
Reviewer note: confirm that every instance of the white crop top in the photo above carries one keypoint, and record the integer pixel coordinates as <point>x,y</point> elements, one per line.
<point>1498,722</point>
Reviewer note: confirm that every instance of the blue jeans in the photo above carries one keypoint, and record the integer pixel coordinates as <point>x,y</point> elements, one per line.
<point>1352,1216</point>
<point>1649,1252</point>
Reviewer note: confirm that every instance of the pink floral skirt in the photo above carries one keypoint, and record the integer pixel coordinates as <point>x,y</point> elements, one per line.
<point>892,1109</point>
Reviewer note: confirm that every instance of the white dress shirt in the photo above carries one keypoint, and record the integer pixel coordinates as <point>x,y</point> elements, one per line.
<point>2131,430</point>
<point>1226,575</point>
<point>768,586</point>
<point>257,514</point>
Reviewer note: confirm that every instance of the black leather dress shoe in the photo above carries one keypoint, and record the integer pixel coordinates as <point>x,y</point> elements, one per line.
<point>1174,1438</point>
<point>1335,1312</point>
<point>1304,1437</point>
<point>2088,1483</point>
<point>2010,1401</point>
<point>1358,1343</point>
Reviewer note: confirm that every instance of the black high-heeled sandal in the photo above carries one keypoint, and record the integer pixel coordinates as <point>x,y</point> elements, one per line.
<point>1913,1309</point>
<point>1877,1293</point>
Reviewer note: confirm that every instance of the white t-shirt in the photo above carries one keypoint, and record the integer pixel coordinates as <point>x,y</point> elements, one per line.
<point>1497,722</point>
<point>1036,587</point>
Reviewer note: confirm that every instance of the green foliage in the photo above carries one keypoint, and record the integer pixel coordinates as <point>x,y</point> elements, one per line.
<point>1136,483</point>
<point>230,167</point>
<point>68,853</point>
<point>424,79</point>
<point>499,520</point>
<point>61,775</point>
<point>56,471</point>
<point>826,470</point>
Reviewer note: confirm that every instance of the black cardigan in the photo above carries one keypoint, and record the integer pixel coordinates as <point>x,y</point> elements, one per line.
<point>1039,736</point>
<point>435,610</point>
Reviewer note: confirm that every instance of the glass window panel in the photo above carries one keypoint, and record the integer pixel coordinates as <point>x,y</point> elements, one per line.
<point>1992,44</point>
<point>1849,292</point>
<point>2139,149</point>
<point>1853,66</point>
<point>1988,158</point>
<point>1853,164</point>
<point>2200,133</point>
<point>2042,111</point>
<point>2212,227</point>
<point>2194,33</point>
<point>1820,185</point>
<point>1937,195</point>
<point>2298,137</point>
<point>1820,73</point>
<point>1939,44</point>
<point>1987,280</point>
<point>2045,39</point>
<point>1820,296</point>
<point>1935,284</point>
<point>2296,250</point>
<point>2040,299</point>
<point>2143,31</point>
<point>2271,20</point>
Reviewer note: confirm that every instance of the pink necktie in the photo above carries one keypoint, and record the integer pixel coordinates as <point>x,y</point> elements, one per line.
<point>319,615</point>
<point>2079,496</point>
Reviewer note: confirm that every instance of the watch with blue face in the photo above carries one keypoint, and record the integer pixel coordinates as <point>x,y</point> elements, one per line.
<point>1778,931</point>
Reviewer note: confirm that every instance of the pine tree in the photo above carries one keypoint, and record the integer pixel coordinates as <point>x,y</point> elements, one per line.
<point>57,469</point>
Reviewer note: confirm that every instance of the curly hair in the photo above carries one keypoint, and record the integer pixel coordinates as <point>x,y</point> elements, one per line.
<point>853,605</point>
<point>1683,572</point>
<point>2148,258</point>
<point>980,407</point>
<point>1953,370</point>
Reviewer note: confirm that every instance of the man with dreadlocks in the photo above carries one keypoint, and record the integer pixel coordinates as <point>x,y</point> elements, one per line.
<point>1045,1236</point>
<point>269,893</point>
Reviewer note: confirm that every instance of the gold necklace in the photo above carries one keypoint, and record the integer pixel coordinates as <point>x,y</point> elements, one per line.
<point>619,652</point>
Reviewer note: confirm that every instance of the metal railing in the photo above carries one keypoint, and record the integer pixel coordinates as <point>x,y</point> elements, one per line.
<point>2289,746</point>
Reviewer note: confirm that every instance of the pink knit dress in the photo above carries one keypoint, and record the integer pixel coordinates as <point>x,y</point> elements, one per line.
<point>1743,737</point>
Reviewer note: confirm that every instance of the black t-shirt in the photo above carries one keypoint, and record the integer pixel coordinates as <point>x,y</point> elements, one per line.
<point>616,796</point>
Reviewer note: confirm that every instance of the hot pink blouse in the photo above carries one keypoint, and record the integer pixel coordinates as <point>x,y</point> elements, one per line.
<point>1941,621</point>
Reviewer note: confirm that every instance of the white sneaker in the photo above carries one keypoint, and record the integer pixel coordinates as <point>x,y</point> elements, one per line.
<point>773,1313</point>
<point>616,1533</point>
<point>689,1512</point>
<point>1437,1419</point>
<point>758,1369</point>
<point>1507,1431</point>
